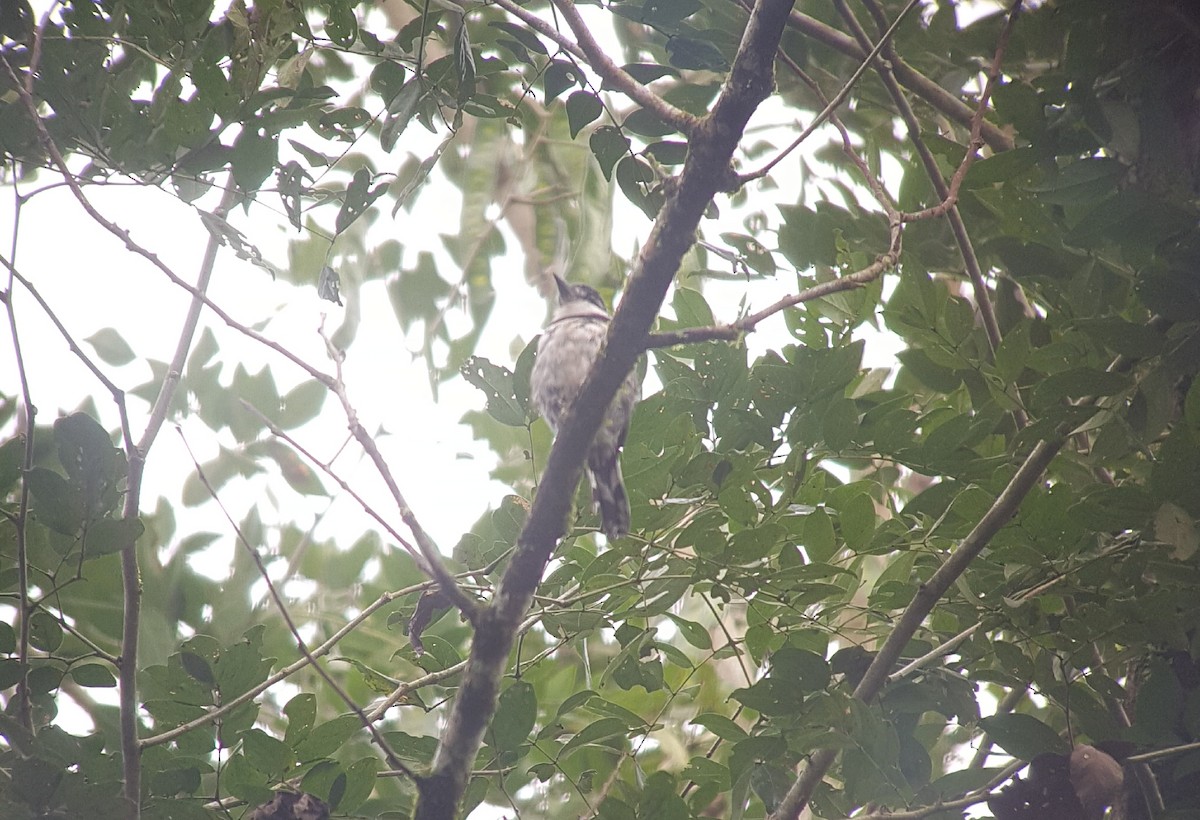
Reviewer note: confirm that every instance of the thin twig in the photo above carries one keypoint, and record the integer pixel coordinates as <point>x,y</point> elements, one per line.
<point>933,94</point>
<point>21,517</point>
<point>971,798</point>
<point>838,98</point>
<point>327,468</point>
<point>850,281</point>
<point>620,79</point>
<point>118,395</point>
<point>282,608</point>
<point>947,197</point>
<point>430,554</point>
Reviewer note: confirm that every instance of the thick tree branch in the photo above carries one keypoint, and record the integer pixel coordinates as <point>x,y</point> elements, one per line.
<point>714,139</point>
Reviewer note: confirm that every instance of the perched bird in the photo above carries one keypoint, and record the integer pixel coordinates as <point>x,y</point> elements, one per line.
<point>569,345</point>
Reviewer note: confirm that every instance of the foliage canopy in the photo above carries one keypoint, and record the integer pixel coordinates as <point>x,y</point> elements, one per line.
<point>857,589</point>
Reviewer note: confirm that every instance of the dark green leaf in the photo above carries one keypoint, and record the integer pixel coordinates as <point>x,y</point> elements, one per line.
<point>608,145</point>
<point>93,674</point>
<point>1023,736</point>
<point>689,53</point>
<point>583,107</point>
<point>516,713</point>
<point>558,77</point>
<point>55,503</point>
<point>45,632</point>
<point>109,535</point>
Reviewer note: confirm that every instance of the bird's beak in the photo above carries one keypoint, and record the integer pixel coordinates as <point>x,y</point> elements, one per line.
<point>564,289</point>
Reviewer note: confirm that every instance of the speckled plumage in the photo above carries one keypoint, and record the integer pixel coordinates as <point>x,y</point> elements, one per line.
<point>569,346</point>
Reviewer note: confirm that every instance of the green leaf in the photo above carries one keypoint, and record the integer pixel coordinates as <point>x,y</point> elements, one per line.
<point>1023,736</point>
<point>400,112</point>
<point>375,680</point>
<point>111,346</point>
<point>93,674</point>
<point>720,726</point>
<point>327,738</point>
<point>55,503</point>
<point>820,542</point>
<point>608,145</point>
<point>359,196</point>
<point>583,107</point>
<point>243,780</point>
<point>594,733</point>
<point>109,535</point>
<point>12,456</point>
<point>692,632</point>
<point>521,34</point>
<point>559,76</point>
<point>516,712</point>
<point>690,53</point>
<point>668,152</point>
<point>271,756</point>
<point>252,159</point>
<point>45,632</point>
<point>660,13</point>
<point>197,667</point>
<point>387,79</point>
<point>496,382</point>
<point>341,25</point>
<point>301,712</point>
<point>361,776</point>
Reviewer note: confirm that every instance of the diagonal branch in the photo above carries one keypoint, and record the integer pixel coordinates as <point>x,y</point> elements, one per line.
<point>928,594</point>
<point>619,78</point>
<point>713,141</point>
<point>937,97</point>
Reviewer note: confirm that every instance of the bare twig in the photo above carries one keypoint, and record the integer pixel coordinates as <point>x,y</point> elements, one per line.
<point>131,582</point>
<point>850,281</point>
<point>1159,754</point>
<point>871,53</point>
<point>937,97</point>
<point>21,517</point>
<point>430,554</point>
<point>327,468</point>
<point>970,799</point>
<point>282,608</point>
<point>117,393</point>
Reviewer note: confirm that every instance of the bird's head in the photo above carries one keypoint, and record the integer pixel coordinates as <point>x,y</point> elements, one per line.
<point>578,300</point>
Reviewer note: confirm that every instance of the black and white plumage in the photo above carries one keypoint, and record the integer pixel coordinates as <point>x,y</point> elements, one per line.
<point>570,344</point>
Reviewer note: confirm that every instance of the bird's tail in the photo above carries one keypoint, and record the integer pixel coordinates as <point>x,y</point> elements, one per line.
<point>608,491</point>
